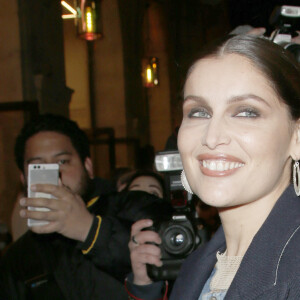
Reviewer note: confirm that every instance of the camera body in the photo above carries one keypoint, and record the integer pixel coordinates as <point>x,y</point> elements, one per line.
<point>286,21</point>
<point>179,237</point>
<point>179,233</point>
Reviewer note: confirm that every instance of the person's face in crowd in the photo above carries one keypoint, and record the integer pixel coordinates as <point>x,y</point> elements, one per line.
<point>53,147</point>
<point>147,184</point>
<point>236,136</point>
<point>122,182</point>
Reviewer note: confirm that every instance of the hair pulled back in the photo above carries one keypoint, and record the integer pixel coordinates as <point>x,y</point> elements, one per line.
<point>278,65</point>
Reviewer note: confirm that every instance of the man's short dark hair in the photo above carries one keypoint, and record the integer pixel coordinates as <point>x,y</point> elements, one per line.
<point>55,123</point>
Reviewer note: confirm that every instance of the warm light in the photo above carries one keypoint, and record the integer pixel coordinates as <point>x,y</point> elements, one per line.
<point>69,16</point>
<point>88,19</point>
<point>69,7</point>
<point>89,22</point>
<point>150,73</point>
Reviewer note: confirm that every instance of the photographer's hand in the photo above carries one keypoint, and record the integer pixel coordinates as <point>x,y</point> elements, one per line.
<point>68,214</point>
<point>143,251</point>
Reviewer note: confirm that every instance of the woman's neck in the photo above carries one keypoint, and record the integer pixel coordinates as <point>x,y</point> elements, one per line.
<point>241,223</point>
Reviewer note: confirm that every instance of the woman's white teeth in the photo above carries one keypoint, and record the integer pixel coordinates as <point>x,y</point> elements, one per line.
<point>221,165</point>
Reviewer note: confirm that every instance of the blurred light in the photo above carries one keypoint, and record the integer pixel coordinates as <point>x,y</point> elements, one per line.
<point>69,7</point>
<point>69,16</point>
<point>88,21</point>
<point>168,161</point>
<point>150,72</point>
<point>290,11</point>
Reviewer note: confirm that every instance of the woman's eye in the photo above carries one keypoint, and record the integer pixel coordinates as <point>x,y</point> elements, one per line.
<point>248,113</point>
<point>199,113</point>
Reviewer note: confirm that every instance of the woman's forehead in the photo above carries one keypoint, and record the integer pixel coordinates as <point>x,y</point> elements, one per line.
<point>228,77</point>
<point>224,72</point>
<point>213,62</point>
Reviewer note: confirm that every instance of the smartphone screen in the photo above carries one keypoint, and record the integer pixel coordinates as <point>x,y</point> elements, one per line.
<point>41,174</point>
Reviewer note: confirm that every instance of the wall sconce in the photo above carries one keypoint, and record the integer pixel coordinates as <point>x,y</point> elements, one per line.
<point>88,26</point>
<point>150,72</point>
<point>87,18</point>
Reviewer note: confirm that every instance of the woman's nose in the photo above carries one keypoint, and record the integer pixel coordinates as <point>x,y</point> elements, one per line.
<point>216,133</point>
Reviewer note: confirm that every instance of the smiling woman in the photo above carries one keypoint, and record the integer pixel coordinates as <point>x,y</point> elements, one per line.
<point>238,133</point>
<point>239,136</point>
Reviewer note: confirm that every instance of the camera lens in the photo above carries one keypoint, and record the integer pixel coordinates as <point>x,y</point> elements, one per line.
<point>177,239</point>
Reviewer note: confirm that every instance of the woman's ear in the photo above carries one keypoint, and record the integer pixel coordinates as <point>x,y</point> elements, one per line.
<point>295,150</point>
<point>88,164</point>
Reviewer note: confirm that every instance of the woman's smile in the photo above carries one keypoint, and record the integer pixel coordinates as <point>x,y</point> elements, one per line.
<point>221,165</point>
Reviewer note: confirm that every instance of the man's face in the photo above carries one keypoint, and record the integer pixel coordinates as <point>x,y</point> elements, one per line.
<point>52,147</point>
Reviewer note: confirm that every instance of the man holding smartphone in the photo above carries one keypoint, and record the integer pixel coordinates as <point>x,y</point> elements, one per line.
<point>81,252</point>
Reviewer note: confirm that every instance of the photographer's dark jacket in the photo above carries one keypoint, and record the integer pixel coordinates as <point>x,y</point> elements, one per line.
<point>270,268</point>
<point>54,267</point>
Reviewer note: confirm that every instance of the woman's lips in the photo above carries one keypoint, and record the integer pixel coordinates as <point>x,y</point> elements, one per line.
<point>220,165</point>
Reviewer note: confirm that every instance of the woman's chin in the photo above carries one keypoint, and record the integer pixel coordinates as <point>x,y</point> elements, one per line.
<point>217,197</point>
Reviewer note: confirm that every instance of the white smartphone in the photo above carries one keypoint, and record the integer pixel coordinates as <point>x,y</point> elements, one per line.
<point>43,174</point>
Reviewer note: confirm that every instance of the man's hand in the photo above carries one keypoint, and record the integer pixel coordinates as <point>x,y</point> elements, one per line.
<point>68,214</point>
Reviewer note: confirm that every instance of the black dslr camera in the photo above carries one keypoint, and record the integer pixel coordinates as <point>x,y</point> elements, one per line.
<point>286,21</point>
<point>179,233</point>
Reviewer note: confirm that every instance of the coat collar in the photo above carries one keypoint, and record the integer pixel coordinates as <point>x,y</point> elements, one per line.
<point>259,267</point>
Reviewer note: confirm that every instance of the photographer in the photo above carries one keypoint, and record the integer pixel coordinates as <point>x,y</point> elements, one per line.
<point>82,252</point>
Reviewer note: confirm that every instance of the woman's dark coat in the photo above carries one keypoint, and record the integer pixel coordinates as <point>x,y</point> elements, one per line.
<point>270,268</point>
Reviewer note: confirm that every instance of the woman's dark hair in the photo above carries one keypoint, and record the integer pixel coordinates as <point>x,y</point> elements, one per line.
<point>278,65</point>
<point>150,173</point>
<point>55,123</point>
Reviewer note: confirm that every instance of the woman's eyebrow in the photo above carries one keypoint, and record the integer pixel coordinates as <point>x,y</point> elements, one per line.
<point>244,97</point>
<point>195,98</point>
<point>155,186</point>
<point>199,100</point>
<point>233,99</point>
<point>134,185</point>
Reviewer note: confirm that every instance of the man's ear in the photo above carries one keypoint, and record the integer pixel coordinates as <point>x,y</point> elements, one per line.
<point>295,150</point>
<point>88,164</point>
<point>22,178</point>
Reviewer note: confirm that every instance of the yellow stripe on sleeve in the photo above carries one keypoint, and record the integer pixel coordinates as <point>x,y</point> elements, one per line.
<point>92,201</point>
<point>95,237</point>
